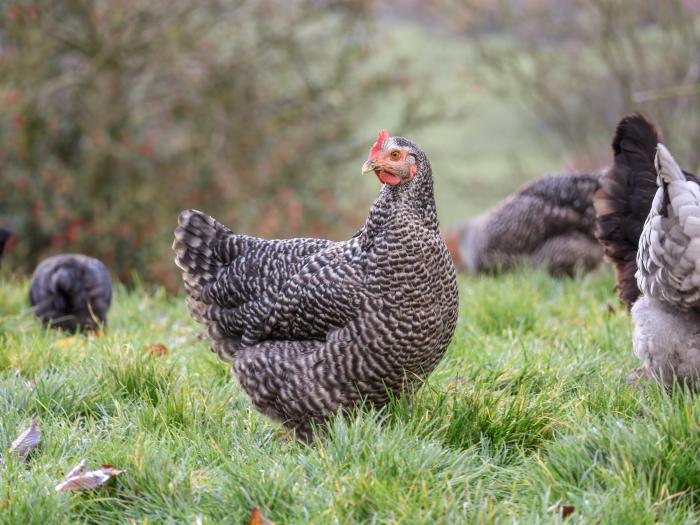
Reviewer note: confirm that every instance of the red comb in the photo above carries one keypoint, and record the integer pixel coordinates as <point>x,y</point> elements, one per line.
<point>383,135</point>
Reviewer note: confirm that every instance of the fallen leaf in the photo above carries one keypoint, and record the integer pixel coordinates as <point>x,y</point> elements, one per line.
<point>157,350</point>
<point>79,479</point>
<point>256,518</point>
<point>78,469</point>
<point>563,510</point>
<point>566,510</point>
<point>27,441</point>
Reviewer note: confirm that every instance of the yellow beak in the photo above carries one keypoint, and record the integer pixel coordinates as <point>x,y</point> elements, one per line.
<point>367,167</point>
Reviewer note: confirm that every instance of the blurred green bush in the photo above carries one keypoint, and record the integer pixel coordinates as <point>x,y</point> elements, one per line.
<point>579,66</point>
<point>116,115</point>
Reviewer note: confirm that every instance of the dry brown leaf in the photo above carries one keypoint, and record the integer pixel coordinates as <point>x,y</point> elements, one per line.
<point>256,518</point>
<point>27,441</point>
<point>157,350</point>
<point>79,479</point>
<point>563,510</point>
<point>566,510</point>
<point>77,470</point>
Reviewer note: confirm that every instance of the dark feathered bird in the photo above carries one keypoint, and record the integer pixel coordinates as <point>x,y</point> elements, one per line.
<point>314,326</point>
<point>624,199</point>
<point>71,292</point>
<point>549,222</point>
<point>6,238</point>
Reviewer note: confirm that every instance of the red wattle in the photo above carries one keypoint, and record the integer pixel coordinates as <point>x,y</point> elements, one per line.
<point>388,178</point>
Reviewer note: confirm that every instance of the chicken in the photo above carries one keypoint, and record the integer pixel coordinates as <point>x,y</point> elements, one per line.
<point>624,200</point>
<point>666,316</point>
<point>7,238</point>
<point>550,222</point>
<point>312,326</point>
<point>647,215</point>
<point>71,292</point>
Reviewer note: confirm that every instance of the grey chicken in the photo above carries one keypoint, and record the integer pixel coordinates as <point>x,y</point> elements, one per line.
<point>313,326</point>
<point>666,316</point>
<point>649,224</point>
<point>549,222</point>
<point>71,292</point>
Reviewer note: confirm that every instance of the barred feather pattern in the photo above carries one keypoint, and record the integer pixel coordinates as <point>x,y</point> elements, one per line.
<point>549,222</point>
<point>312,326</point>
<point>71,292</point>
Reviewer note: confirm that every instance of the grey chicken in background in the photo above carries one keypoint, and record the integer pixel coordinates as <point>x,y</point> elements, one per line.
<point>550,222</point>
<point>649,223</point>
<point>6,239</point>
<point>666,316</point>
<point>314,326</point>
<point>71,292</point>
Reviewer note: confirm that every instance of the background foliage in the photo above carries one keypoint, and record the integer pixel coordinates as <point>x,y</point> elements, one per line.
<point>115,116</point>
<point>579,65</point>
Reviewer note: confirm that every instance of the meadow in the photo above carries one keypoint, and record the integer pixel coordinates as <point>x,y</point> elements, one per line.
<point>528,419</point>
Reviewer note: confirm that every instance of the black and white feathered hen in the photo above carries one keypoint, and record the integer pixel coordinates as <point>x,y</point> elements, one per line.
<point>550,222</point>
<point>313,326</point>
<point>649,223</point>
<point>71,292</point>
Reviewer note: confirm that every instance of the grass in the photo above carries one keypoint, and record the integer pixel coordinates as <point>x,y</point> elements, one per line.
<point>528,412</point>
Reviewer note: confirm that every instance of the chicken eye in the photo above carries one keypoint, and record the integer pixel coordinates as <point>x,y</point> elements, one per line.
<point>395,155</point>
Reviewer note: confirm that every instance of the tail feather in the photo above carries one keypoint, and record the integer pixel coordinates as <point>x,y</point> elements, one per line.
<point>667,167</point>
<point>232,280</point>
<point>669,249</point>
<point>196,237</point>
<point>624,199</point>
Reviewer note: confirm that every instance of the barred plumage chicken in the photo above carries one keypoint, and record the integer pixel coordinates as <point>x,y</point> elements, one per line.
<point>649,223</point>
<point>314,326</point>
<point>549,222</point>
<point>71,292</point>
